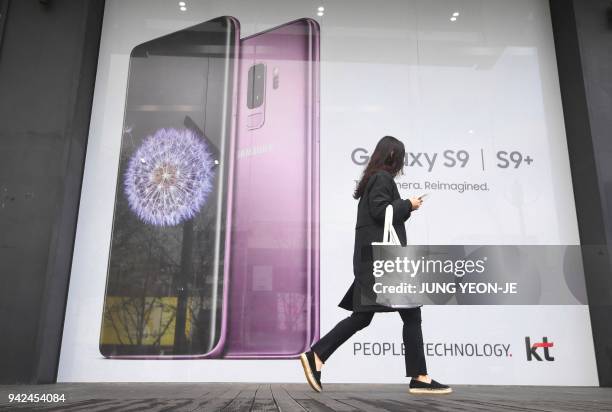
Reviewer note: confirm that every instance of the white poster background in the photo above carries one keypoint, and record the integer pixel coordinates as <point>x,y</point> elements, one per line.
<point>487,80</point>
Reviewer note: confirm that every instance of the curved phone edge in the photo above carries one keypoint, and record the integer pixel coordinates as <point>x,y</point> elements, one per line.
<point>316,275</point>
<point>218,348</point>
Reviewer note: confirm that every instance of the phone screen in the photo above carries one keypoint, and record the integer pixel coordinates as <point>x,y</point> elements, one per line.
<point>164,293</point>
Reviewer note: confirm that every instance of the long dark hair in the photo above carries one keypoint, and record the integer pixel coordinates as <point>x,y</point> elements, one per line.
<point>388,155</point>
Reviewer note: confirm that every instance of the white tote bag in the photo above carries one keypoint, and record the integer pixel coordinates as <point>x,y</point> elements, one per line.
<point>390,239</point>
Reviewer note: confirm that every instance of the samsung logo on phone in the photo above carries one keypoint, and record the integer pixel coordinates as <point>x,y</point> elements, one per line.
<point>254,151</point>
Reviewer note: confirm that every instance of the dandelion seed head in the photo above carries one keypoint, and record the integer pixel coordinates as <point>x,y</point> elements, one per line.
<point>169,177</point>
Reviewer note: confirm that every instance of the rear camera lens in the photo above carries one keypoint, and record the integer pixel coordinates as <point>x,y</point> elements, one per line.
<point>256,85</point>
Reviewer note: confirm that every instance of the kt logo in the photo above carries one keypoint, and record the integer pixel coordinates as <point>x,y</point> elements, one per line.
<point>532,350</point>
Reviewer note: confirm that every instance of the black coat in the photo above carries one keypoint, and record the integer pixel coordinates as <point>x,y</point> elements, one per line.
<point>380,192</point>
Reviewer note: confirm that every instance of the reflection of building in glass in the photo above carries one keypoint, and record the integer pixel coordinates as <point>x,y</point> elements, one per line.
<point>169,177</point>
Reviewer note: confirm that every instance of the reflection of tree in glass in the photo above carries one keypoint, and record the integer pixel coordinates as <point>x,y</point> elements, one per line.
<point>291,311</point>
<point>140,321</point>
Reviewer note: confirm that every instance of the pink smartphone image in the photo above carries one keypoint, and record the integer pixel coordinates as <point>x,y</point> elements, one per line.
<point>273,304</point>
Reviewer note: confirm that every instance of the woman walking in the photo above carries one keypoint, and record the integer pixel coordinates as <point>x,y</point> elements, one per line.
<point>375,191</point>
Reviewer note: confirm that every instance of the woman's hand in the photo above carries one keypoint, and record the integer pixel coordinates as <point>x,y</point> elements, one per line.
<point>416,202</point>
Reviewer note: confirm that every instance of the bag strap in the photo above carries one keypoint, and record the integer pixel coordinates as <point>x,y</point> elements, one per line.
<point>389,233</point>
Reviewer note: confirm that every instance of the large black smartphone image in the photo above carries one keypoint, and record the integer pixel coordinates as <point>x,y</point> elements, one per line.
<point>165,287</point>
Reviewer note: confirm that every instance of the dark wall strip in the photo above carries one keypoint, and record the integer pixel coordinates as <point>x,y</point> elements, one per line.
<point>3,14</point>
<point>582,42</point>
<point>47,74</point>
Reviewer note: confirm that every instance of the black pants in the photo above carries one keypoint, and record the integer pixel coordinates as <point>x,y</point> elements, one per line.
<point>412,335</point>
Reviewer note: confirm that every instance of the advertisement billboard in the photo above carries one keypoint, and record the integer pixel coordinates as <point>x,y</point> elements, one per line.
<point>216,224</point>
